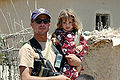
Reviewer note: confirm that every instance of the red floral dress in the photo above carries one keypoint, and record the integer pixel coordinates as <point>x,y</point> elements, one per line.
<point>68,47</point>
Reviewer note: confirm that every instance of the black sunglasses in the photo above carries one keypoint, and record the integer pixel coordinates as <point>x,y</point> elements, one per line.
<point>39,21</point>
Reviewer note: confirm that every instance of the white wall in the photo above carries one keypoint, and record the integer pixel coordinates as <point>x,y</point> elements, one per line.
<point>19,11</point>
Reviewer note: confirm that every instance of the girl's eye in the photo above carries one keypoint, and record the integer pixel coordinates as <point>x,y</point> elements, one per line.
<point>70,22</point>
<point>64,22</point>
<point>67,22</point>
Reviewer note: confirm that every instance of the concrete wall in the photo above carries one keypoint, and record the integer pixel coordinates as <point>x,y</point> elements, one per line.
<point>16,13</point>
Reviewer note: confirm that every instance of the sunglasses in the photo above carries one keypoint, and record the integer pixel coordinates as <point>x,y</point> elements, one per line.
<point>39,21</point>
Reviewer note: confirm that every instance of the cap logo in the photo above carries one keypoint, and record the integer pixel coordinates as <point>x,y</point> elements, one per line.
<point>41,10</point>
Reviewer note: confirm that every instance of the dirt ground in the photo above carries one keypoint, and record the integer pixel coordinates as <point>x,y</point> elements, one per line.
<point>102,61</point>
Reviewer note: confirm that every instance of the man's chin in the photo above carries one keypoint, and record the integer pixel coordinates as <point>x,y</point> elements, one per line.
<point>41,32</point>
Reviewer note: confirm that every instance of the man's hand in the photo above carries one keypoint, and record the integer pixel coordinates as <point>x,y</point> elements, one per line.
<point>73,60</point>
<point>61,77</point>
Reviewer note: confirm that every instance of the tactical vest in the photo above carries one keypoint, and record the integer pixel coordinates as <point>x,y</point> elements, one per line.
<point>42,66</point>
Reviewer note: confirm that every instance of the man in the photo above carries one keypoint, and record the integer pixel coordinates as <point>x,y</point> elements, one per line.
<point>40,22</point>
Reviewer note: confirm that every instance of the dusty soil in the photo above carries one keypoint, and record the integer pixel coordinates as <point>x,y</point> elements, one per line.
<point>102,61</point>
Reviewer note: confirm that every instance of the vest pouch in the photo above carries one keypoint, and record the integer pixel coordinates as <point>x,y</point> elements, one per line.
<point>41,69</point>
<point>47,69</point>
<point>44,72</point>
<point>37,67</point>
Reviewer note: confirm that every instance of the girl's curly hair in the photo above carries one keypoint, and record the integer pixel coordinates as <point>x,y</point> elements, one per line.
<point>65,14</point>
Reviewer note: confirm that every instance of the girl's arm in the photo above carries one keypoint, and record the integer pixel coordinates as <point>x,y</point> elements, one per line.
<point>82,48</point>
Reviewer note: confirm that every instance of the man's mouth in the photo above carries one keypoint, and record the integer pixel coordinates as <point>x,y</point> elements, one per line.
<point>42,27</point>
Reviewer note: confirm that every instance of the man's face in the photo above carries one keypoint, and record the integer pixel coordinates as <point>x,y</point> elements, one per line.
<point>41,24</point>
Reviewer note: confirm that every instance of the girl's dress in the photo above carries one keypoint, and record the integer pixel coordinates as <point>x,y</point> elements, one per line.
<point>68,47</point>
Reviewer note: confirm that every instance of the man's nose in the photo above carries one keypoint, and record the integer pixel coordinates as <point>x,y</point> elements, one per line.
<point>42,23</point>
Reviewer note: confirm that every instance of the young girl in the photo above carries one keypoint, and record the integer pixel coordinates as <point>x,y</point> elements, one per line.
<point>69,40</point>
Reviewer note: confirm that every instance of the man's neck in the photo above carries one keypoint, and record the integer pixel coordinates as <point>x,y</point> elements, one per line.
<point>40,38</point>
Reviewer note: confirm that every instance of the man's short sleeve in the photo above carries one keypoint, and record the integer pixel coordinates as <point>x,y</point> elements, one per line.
<point>27,56</point>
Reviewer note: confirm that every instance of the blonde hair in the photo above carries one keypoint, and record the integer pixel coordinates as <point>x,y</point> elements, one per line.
<point>67,13</point>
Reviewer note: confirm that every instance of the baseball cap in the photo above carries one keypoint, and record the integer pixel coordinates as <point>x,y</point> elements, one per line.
<point>39,11</point>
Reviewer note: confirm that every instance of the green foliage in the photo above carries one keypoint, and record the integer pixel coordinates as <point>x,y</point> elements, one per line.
<point>22,43</point>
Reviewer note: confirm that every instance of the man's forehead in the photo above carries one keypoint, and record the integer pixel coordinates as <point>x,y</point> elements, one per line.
<point>43,16</point>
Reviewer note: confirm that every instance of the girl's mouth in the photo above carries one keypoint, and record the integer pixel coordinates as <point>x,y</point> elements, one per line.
<point>67,27</point>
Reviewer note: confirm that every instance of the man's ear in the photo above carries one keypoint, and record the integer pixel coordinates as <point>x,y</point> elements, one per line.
<point>31,24</point>
<point>49,24</point>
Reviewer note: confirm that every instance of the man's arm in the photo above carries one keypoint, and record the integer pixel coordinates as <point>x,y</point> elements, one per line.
<point>25,74</point>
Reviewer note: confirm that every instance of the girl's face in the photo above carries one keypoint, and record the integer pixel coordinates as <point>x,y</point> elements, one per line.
<point>67,24</point>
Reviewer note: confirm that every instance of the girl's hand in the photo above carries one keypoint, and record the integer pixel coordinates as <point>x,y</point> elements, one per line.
<point>73,60</point>
<point>55,41</point>
<point>79,48</point>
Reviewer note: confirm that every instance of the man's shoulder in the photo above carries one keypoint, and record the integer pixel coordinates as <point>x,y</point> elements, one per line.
<point>26,46</point>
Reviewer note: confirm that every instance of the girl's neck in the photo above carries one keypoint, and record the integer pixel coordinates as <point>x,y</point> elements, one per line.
<point>68,31</point>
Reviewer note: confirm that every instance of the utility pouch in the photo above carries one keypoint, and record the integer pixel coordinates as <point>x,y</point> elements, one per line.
<point>44,72</point>
<point>58,61</point>
<point>59,58</point>
<point>43,69</point>
<point>37,67</point>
